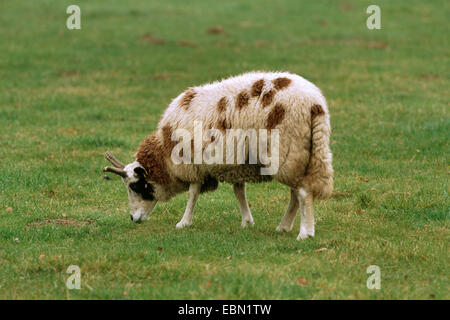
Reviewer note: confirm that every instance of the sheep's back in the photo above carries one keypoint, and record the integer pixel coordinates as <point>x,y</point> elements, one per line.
<point>254,100</point>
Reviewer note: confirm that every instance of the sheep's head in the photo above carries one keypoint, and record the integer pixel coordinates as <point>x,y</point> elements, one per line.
<point>141,192</point>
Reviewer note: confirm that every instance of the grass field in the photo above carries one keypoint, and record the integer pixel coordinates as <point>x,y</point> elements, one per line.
<point>67,96</point>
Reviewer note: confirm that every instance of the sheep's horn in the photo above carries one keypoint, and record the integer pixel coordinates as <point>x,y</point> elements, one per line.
<point>114,160</point>
<point>117,171</point>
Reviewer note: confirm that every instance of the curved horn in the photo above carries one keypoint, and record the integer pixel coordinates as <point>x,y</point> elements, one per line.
<point>117,171</point>
<point>114,160</point>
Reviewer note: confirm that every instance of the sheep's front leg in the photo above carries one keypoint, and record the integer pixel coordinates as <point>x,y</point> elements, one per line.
<point>239,191</point>
<point>194,191</point>
<point>307,214</point>
<point>288,218</point>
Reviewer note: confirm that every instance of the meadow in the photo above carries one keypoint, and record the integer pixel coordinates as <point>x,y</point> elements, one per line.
<point>67,96</point>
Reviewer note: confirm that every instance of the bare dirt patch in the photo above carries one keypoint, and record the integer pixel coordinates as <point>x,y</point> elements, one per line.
<point>60,222</point>
<point>184,43</point>
<point>148,37</point>
<point>161,76</point>
<point>377,45</point>
<point>429,76</point>
<point>346,6</point>
<point>215,30</point>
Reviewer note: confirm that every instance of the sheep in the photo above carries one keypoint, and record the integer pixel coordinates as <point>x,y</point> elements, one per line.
<point>288,107</point>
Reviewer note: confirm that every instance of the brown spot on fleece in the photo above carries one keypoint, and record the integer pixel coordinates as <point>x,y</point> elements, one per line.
<point>316,110</point>
<point>242,100</point>
<point>151,156</point>
<point>267,98</point>
<point>257,88</point>
<point>223,124</point>
<point>275,116</point>
<point>187,98</point>
<point>281,83</point>
<point>222,105</point>
<point>168,144</point>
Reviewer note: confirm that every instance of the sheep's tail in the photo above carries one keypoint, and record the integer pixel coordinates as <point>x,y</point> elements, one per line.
<point>319,174</point>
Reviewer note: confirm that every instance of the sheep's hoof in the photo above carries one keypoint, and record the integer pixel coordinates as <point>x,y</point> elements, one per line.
<point>183,224</point>
<point>283,228</point>
<point>303,237</point>
<point>247,222</point>
<point>305,234</point>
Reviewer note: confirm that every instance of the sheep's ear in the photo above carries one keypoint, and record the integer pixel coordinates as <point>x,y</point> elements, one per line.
<point>141,172</point>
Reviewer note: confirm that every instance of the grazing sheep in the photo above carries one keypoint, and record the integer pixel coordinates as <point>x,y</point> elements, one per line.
<point>285,106</point>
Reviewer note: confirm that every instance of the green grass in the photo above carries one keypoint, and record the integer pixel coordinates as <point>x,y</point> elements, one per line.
<point>68,96</point>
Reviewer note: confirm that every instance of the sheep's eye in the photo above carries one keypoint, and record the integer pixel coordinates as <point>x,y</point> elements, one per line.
<point>133,186</point>
<point>143,188</point>
<point>140,172</point>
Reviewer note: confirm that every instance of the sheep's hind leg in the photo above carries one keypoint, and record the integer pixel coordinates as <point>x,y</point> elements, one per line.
<point>307,214</point>
<point>194,191</point>
<point>239,191</point>
<point>288,219</point>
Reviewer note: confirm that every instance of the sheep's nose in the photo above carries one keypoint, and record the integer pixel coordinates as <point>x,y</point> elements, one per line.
<point>131,217</point>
